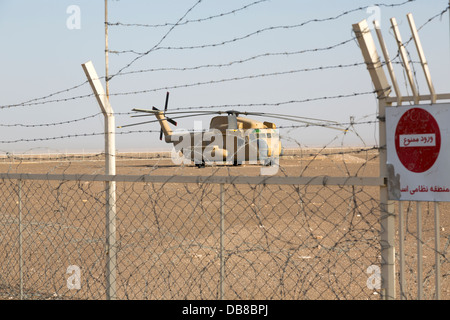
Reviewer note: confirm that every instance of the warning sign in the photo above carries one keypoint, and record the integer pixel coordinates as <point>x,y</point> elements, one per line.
<point>417,140</point>
<point>417,160</point>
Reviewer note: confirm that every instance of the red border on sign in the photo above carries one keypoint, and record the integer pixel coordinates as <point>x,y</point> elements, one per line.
<point>425,140</point>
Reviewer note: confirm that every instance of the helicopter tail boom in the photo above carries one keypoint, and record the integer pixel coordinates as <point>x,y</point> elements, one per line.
<point>164,125</point>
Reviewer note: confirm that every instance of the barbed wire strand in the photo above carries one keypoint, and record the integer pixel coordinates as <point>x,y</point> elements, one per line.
<point>187,21</point>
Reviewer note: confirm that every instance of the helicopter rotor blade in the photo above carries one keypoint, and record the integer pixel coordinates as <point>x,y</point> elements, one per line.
<point>322,123</point>
<point>157,120</point>
<point>234,112</point>
<point>317,124</point>
<point>155,110</point>
<point>306,120</point>
<point>165,109</point>
<point>286,115</point>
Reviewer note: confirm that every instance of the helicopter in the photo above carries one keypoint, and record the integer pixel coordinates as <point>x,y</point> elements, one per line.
<point>231,139</point>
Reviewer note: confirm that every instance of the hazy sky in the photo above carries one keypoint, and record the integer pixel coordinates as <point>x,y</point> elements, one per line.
<point>45,42</point>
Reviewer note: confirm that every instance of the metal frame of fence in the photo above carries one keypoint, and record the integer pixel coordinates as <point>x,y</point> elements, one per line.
<point>31,219</point>
<point>384,89</point>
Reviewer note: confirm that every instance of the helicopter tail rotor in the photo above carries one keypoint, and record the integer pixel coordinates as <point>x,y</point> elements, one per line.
<point>168,119</point>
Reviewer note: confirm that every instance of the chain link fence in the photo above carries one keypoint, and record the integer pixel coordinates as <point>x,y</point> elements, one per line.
<point>188,240</point>
<point>211,233</point>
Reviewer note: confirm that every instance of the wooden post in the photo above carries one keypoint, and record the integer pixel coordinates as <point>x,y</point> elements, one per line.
<point>110,169</point>
<point>387,218</point>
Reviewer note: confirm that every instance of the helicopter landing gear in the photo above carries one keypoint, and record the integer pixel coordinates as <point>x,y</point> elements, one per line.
<point>200,165</point>
<point>268,162</point>
<point>236,163</point>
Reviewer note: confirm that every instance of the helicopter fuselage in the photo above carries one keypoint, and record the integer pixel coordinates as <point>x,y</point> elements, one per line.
<point>248,141</point>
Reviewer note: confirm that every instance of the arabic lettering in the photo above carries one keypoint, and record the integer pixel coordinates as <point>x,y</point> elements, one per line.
<point>417,140</point>
<point>424,189</point>
<point>407,141</point>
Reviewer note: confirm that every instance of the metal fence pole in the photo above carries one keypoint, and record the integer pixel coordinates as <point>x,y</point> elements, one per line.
<point>387,217</point>
<point>401,236</point>
<point>437,237</point>
<point>222,246</point>
<point>110,169</point>
<point>20,241</point>
<point>419,253</point>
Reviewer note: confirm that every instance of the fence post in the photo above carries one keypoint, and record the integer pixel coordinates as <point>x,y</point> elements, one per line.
<point>419,252</point>
<point>20,241</point>
<point>222,247</point>
<point>401,237</point>
<point>387,217</point>
<point>437,239</point>
<point>110,169</point>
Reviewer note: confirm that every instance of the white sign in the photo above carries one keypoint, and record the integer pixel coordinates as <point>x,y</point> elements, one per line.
<point>418,152</point>
<point>417,140</point>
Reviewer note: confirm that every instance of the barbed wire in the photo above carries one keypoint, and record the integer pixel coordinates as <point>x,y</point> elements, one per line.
<point>282,236</point>
<point>77,135</point>
<point>159,42</point>
<point>262,75</point>
<point>339,124</point>
<point>187,21</point>
<point>411,38</point>
<point>58,123</point>
<point>37,101</point>
<point>280,103</point>
<point>148,155</point>
<point>242,61</point>
<point>82,135</point>
<point>49,124</point>
<point>34,101</point>
<point>257,32</point>
<point>157,47</point>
